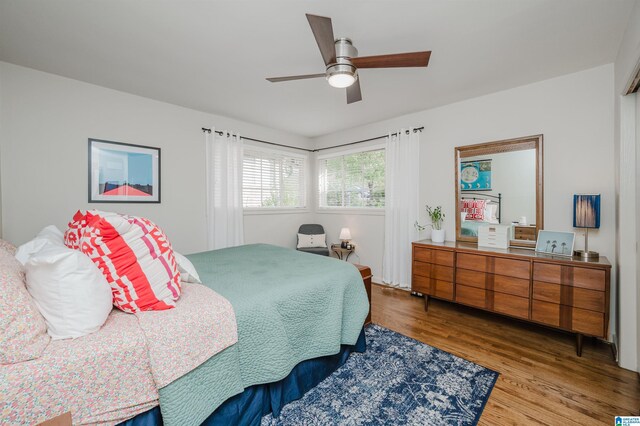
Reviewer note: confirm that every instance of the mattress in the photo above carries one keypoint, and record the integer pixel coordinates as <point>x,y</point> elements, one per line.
<point>290,307</point>
<point>114,374</point>
<point>470,227</point>
<point>104,377</point>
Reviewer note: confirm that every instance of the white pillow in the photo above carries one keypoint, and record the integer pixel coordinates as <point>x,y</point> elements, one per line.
<point>463,216</point>
<point>69,290</point>
<point>490,213</point>
<point>49,234</point>
<point>188,273</point>
<point>311,241</point>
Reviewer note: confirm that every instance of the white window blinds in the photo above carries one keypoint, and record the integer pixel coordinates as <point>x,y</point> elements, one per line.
<point>353,180</point>
<point>273,179</point>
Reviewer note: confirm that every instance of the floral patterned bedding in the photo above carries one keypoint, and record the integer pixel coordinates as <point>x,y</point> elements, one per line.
<point>115,373</point>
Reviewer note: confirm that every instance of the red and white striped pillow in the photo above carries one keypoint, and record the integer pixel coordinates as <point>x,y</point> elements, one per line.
<point>78,224</point>
<point>137,260</point>
<point>474,209</point>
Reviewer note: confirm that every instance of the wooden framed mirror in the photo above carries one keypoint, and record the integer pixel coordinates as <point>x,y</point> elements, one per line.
<point>500,182</point>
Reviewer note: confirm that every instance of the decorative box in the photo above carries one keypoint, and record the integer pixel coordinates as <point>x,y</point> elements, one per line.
<point>496,236</point>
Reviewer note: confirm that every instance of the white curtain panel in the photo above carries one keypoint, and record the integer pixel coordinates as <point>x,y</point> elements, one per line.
<point>224,190</point>
<point>401,206</point>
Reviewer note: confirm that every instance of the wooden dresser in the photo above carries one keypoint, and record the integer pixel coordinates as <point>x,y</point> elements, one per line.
<point>561,292</point>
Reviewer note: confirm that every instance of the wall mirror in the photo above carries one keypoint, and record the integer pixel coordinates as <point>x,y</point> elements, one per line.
<point>500,183</point>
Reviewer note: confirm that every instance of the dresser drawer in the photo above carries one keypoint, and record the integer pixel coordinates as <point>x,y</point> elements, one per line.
<point>471,296</point>
<point>566,295</point>
<point>511,285</point>
<point>593,279</point>
<point>569,318</point>
<point>439,272</point>
<point>588,322</point>
<point>443,290</point>
<point>500,283</point>
<point>545,312</point>
<point>511,305</point>
<point>471,278</point>
<point>432,287</point>
<point>439,257</point>
<point>496,265</point>
<point>472,262</point>
<point>525,233</point>
<point>493,301</point>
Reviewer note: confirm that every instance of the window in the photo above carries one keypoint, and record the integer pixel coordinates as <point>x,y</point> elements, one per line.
<point>273,179</point>
<point>353,180</point>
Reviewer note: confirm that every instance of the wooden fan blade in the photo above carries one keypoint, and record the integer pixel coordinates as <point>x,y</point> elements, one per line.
<point>412,59</point>
<point>323,32</point>
<point>353,92</point>
<point>294,77</point>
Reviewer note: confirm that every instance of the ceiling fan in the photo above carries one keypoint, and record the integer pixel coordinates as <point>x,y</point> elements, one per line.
<point>342,61</point>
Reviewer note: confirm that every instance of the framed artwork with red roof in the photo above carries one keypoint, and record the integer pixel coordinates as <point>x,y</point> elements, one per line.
<point>123,173</point>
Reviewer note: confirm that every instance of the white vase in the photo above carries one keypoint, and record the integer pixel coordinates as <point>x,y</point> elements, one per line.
<point>437,235</point>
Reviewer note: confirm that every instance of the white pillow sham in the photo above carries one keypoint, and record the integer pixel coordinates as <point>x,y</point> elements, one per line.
<point>69,290</point>
<point>188,273</point>
<point>312,241</point>
<point>490,213</point>
<point>49,234</point>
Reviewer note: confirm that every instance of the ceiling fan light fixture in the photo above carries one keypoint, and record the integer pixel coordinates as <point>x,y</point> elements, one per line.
<point>340,80</point>
<point>341,75</point>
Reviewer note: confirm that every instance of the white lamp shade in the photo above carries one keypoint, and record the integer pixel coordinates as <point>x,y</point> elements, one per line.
<point>345,234</point>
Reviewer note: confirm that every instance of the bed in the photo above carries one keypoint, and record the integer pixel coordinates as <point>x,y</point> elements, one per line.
<point>469,226</point>
<point>299,316</point>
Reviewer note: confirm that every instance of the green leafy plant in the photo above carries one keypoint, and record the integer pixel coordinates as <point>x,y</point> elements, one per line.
<point>436,216</point>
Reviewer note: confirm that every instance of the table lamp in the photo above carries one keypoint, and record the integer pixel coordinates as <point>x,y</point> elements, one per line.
<point>345,236</point>
<point>586,214</point>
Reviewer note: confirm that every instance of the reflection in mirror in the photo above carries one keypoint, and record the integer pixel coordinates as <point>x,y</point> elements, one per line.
<point>500,183</point>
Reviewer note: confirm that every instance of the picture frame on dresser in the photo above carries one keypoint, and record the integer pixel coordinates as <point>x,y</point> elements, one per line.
<point>555,243</point>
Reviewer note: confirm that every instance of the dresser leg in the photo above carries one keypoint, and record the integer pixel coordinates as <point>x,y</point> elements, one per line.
<point>426,303</point>
<point>579,344</point>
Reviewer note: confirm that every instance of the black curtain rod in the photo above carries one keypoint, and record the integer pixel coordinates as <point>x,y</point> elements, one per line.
<point>204,129</point>
<point>417,129</point>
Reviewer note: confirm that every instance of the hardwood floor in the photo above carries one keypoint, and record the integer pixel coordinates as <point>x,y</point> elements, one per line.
<point>542,381</point>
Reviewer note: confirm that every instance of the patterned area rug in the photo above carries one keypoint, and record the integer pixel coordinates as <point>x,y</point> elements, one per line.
<point>397,381</point>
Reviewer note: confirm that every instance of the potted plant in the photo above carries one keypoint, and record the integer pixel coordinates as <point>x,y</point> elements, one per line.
<point>437,217</point>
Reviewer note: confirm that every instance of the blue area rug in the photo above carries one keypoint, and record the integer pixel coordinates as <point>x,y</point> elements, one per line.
<point>397,381</point>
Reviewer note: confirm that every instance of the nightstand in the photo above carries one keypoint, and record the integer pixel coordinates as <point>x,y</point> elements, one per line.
<point>524,232</point>
<point>342,253</point>
<point>365,271</point>
<point>61,420</point>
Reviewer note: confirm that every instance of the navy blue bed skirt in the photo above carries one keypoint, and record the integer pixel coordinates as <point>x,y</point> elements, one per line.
<point>248,407</point>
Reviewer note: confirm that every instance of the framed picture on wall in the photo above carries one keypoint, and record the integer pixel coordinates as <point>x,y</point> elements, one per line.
<point>552,242</point>
<point>475,175</point>
<point>123,173</point>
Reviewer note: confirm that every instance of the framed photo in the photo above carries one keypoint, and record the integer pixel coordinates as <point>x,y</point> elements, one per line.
<point>123,173</point>
<point>557,243</point>
<point>475,175</point>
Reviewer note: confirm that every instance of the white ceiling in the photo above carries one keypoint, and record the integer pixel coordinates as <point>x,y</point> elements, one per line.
<point>213,56</point>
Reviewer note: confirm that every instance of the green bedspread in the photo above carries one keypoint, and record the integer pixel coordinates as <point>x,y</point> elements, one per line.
<point>290,306</point>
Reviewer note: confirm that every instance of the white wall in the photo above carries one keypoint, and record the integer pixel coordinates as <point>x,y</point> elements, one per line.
<point>46,121</point>
<point>637,232</point>
<point>1,124</point>
<point>626,169</point>
<point>575,114</point>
